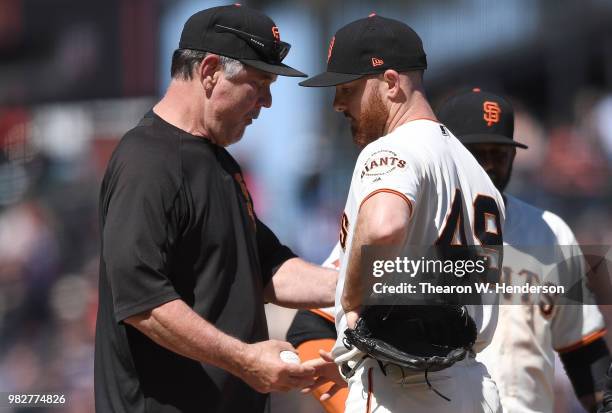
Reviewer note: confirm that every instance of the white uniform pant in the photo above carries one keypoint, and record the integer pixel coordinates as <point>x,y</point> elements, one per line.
<point>467,383</point>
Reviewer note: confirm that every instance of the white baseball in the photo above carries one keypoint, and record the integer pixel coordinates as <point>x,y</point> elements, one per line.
<point>289,357</point>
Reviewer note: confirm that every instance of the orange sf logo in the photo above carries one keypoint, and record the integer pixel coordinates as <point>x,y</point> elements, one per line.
<point>491,112</point>
<point>331,47</point>
<point>276,33</point>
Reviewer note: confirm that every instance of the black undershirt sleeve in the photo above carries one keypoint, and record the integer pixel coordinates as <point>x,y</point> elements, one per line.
<point>309,326</point>
<point>586,367</point>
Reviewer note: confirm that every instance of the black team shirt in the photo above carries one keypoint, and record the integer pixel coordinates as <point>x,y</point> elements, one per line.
<point>177,222</point>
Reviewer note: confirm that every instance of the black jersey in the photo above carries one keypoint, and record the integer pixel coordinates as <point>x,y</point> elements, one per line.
<point>177,222</point>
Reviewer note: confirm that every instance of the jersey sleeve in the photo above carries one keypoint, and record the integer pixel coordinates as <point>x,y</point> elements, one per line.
<point>308,325</point>
<point>573,326</point>
<point>272,254</point>
<point>382,168</point>
<point>139,230</point>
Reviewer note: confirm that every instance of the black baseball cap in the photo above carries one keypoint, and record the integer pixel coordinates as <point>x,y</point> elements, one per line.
<point>241,33</point>
<point>370,46</point>
<point>479,117</point>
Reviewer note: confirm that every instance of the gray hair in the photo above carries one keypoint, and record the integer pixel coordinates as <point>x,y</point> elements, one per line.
<point>184,61</point>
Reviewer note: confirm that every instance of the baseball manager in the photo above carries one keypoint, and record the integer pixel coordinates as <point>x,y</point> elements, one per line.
<point>186,265</point>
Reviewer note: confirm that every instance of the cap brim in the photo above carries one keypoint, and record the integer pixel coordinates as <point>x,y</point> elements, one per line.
<point>280,69</point>
<point>329,79</point>
<point>490,138</point>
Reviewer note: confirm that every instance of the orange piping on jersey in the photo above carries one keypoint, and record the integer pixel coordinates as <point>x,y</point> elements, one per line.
<point>344,229</point>
<point>586,340</point>
<point>370,391</point>
<point>391,191</point>
<point>323,314</point>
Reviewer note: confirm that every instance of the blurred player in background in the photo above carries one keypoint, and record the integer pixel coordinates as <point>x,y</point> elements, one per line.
<point>521,355</point>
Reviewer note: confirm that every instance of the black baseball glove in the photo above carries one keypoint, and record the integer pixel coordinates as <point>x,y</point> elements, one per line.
<point>419,337</point>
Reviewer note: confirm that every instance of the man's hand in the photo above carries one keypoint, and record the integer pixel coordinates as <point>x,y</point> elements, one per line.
<point>265,371</point>
<point>325,371</point>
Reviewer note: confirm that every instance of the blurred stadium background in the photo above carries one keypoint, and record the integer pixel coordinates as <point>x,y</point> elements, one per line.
<point>75,75</point>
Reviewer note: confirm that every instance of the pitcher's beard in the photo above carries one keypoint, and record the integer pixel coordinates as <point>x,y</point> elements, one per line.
<point>371,124</point>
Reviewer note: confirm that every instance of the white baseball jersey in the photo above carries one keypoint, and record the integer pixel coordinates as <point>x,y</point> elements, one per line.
<point>520,357</point>
<point>448,192</point>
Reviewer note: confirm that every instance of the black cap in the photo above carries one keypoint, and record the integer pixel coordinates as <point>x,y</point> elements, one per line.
<point>241,33</point>
<point>479,117</point>
<point>369,46</point>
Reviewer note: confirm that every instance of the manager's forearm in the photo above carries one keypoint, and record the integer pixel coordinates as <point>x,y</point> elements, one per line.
<point>175,326</point>
<point>300,284</point>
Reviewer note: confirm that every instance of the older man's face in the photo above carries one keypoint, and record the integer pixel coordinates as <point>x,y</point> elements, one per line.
<point>361,103</point>
<point>236,102</point>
